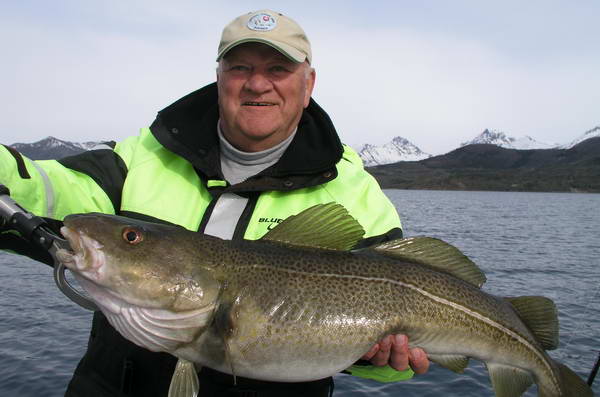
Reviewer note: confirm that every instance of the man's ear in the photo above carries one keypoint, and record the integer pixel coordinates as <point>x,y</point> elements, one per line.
<point>310,85</point>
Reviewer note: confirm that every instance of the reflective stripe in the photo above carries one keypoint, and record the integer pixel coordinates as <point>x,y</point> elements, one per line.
<point>225,215</point>
<point>215,183</point>
<point>48,189</point>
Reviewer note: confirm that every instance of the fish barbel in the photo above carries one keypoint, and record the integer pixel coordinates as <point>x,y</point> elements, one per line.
<point>300,305</point>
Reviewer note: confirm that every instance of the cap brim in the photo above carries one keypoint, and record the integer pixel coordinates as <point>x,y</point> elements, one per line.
<point>290,52</point>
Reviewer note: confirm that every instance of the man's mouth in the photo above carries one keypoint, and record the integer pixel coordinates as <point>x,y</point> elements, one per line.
<point>249,103</point>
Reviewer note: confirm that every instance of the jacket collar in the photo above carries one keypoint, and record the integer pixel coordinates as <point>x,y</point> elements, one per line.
<point>188,128</point>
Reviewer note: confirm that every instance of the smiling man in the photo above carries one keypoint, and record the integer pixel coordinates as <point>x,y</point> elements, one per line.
<point>232,160</point>
<point>261,95</point>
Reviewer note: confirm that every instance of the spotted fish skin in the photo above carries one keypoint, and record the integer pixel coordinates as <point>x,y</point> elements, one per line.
<point>280,310</point>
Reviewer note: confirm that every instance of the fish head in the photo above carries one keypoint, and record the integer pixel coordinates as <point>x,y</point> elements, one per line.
<point>145,264</point>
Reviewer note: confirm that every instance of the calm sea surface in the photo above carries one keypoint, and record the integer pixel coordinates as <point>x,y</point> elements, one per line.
<point>526,243</point>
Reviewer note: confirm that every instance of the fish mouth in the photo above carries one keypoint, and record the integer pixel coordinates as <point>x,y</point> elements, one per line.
<point>85,257</point>
<point>87,261</point>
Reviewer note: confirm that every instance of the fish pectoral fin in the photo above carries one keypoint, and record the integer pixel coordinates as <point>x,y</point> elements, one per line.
<point>229,359</point>
<point>435,253</point>
<point>328,226</point>
<point>508,381</point>
<point>540,316</point>
<point>184,382</point>
<point>225,325</point>
<point>455,363</point>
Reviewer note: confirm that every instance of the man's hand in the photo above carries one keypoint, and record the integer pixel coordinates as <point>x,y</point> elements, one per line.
<point>393,350</point>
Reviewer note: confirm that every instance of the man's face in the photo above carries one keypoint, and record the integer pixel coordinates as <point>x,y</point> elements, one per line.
<point>261,95</point>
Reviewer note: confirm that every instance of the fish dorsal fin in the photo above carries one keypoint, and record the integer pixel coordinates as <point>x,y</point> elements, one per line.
<point>185,380</point>
<point>508,381</point>
<point>540,316</point>
<point>323,226</point>
<point>455,363</point>
<point>434,253</point>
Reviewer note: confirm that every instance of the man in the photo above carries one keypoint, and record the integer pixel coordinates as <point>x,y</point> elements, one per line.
<point>232,160</point>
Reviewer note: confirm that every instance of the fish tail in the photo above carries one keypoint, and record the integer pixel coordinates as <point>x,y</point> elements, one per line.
<point>571,384</point>
<point>540,315</point>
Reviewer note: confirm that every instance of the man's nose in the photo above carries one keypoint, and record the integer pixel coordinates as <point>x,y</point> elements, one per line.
<point>258,83</point>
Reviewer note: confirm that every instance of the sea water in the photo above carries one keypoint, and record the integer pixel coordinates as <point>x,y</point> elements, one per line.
<point>526,243</point>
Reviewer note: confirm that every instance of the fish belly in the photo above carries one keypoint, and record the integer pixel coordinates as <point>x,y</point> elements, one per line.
<point>300,328</point>
<point>292,344</point>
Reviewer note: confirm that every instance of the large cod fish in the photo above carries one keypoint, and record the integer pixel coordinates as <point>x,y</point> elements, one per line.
<point>299,305</point>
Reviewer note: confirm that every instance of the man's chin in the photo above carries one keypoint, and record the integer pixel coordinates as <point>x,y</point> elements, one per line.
<point>257,139</point>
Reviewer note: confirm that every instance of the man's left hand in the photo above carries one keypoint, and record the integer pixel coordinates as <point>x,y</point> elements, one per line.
<point>393,350</point>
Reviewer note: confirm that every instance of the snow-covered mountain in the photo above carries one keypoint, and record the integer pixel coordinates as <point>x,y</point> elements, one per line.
<point>53,148</point>
<point>499,138</point>
<point>399,149</point>
<point>593,133</point>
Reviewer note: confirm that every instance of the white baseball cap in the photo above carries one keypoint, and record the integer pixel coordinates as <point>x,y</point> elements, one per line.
<point>270,28</point>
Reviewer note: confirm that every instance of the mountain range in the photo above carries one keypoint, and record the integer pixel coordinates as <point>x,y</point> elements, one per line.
<point>576,168</point>
<point>491,161</point>
<point>398,149</point>
<point>53,148</point>
<point>401,149</point>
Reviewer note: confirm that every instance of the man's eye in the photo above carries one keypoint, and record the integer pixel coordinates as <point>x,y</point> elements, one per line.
<point>278,68</point>
<point>240,68</point>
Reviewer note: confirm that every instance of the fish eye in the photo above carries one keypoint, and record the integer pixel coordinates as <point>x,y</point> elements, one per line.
<point>132,236</point>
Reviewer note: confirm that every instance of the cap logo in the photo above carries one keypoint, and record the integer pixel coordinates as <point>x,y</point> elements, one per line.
<point>262,22</point>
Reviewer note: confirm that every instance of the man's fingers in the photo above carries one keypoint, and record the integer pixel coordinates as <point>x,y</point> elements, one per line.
<point>393,350</point>
<point>382,356</point>
<point>418,360</point>
<point>399,354</point>
<point>369,355</point>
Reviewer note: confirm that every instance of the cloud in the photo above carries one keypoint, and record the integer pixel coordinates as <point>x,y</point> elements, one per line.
<point>438,90</point>
<point>92,84</point>
<point>437,78</point>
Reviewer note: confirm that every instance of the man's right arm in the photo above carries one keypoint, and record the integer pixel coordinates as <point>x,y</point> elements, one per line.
<point>89,182</point>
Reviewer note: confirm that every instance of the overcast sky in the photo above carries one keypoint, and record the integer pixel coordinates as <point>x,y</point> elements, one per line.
<point>435,72</point>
